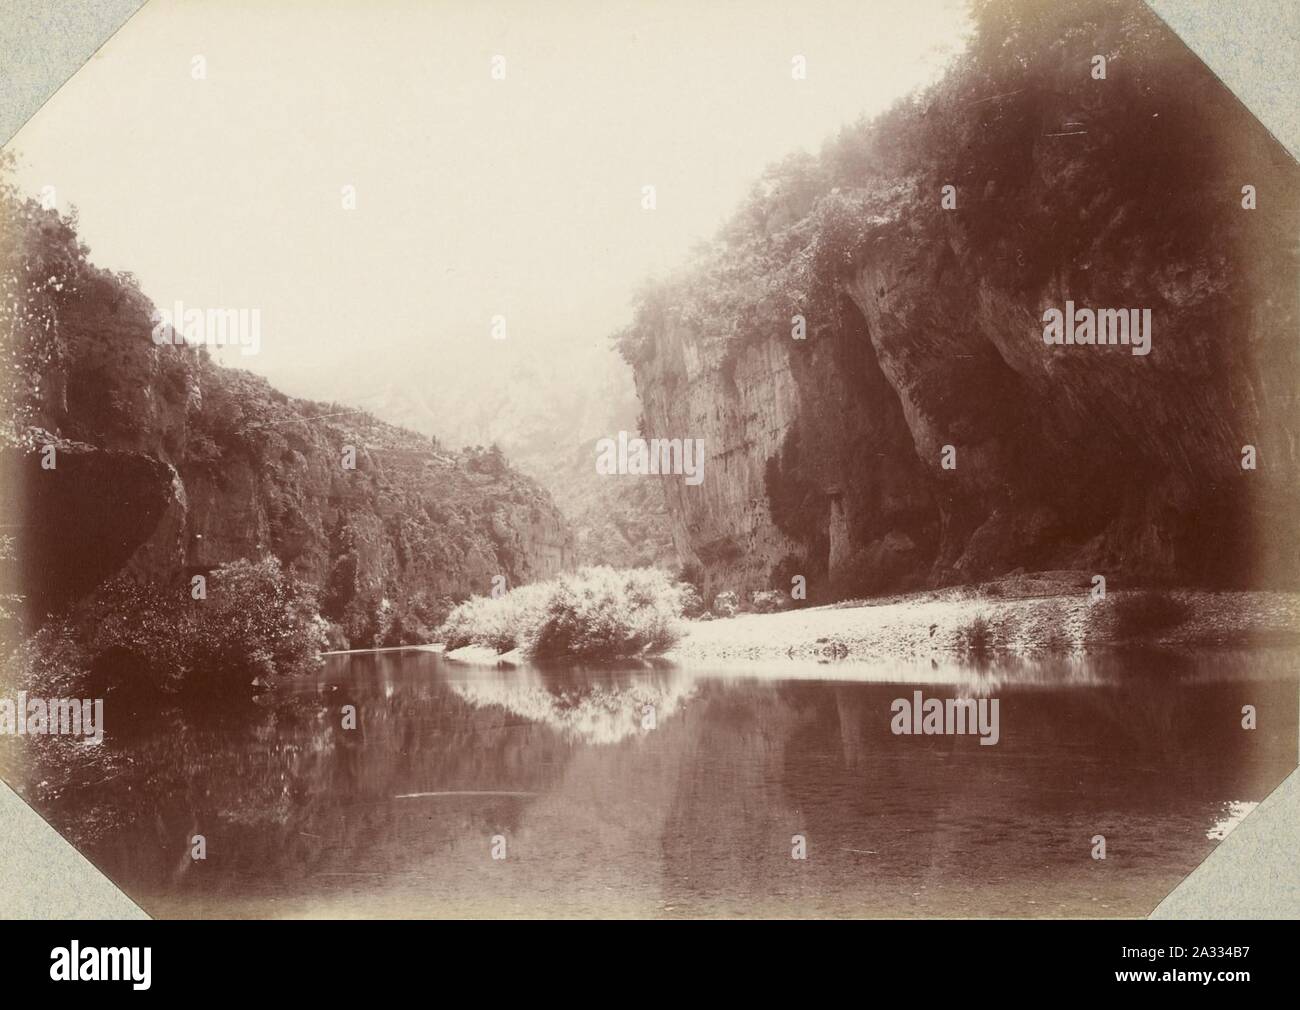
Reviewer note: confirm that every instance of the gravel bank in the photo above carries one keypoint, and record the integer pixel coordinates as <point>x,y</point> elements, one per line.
<point>954,623</point>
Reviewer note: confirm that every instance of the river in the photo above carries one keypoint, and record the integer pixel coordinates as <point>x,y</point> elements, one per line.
<point>670,791</point>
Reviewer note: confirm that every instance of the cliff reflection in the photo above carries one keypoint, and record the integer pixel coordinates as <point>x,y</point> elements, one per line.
<point>694,816</point>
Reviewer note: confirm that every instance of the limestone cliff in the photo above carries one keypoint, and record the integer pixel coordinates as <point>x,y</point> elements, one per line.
<point>166,464</point>
<point>855,318</point>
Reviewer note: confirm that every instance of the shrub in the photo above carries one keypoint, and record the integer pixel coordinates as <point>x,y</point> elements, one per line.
<point>257,621</point>
<point>335,637</point>
<point>977,637</point>
<point>51,663</point>
<point>595,613</point>
<point>726,604</point>
<point>499,623</point>
<point>767,601</point>
<point>692,572</point>
<point>692,602</point>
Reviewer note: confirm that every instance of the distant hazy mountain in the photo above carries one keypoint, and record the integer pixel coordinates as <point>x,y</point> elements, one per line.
<point>544,407</point>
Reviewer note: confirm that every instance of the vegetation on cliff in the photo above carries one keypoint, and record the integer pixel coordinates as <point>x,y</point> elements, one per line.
<point>254,622</point>
<point>924,329</point>
<point>170,465</point>
<point>810,220</point>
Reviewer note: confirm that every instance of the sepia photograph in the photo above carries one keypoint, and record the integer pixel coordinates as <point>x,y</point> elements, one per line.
<point>733,459</point>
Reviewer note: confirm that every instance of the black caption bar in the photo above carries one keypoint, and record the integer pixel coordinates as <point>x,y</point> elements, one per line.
<point>336,959</point>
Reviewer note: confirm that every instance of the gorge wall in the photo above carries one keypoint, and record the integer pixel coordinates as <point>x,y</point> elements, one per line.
<point>924,328</point>
<point>167,464</point>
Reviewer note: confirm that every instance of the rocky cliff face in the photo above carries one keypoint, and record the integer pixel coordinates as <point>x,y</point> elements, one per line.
<point>922,432</point>
<point>808,468</point>
<point>166,465</point>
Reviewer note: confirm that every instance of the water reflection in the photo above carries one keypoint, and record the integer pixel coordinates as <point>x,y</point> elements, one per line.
<point>594,712</point>
<point>695,815</point>
<point>1234,813</point>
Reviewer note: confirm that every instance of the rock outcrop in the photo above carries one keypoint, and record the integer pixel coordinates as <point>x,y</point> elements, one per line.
<point>165,464</point>
<point>919,430</point>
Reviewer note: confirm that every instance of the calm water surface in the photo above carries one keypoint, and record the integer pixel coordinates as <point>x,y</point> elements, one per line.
<point>695,816</point>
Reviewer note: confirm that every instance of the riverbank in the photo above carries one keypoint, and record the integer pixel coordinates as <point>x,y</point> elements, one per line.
<point>436,647</point>
<point>1010,618</point>
<point>968,621</point>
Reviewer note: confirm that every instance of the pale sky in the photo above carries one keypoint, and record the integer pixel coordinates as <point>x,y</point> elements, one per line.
<point>475,197</point>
